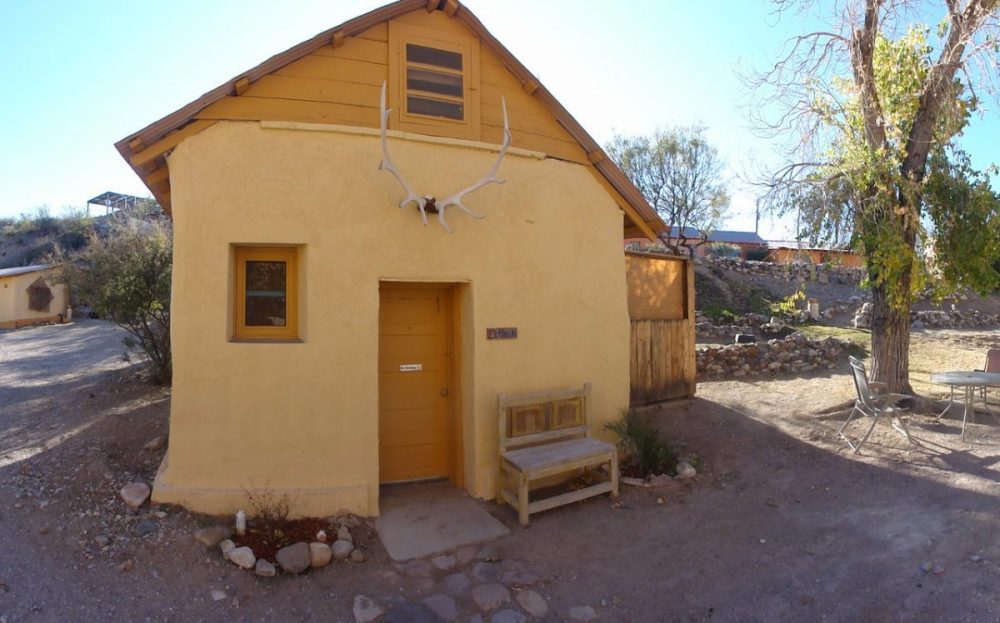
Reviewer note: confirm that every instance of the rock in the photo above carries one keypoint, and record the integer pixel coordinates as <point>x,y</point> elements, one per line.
<point>443,606</point>
<point>444,563</point>
<point>294,558</point>
<point>533,603</point>
<point>519,578</point>
<point>976,558</point>
<point>508,616</point>
<point>464,555</point>
<point>243,557</point>
<point>342,549</point>
<point>582,613</point>
<point>126,566</point>
<point>365,609</point>
<point>321,536</point>
<point>154,444</point>
<point>927,566</point>
<point>320,554</point>
<point>489,553</point>
<point>226,546</point>
<point>218,595</point>
<point>457,583</point>
<point>486,572</point>
<point>490,596</point>
<point>661,480</point>
<point>409,612</point>
<point>265,569</point>
<point>416,568</point>
<point>212,535</point>
<point>685,471</point>
<point>343,534</point>
<point>146,526</point>
<point>357,556</point>
<point>135,493</point>
<point>101,540</point>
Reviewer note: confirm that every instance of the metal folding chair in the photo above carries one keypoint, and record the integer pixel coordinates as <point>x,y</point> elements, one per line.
<point>992,365</point>
<point>874,405</point>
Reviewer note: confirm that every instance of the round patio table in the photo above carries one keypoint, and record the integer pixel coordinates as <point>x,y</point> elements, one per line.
<point>969,381</point>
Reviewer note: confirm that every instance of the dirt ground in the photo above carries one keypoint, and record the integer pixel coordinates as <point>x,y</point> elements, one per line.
<point>782,524</point>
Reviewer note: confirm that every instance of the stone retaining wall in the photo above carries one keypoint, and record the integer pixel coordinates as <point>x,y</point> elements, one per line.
<point>822,273</point>
<point>934,318</point>
<point>796,353</point>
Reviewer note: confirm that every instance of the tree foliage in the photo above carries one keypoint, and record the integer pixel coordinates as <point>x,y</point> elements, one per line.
<point>124,274</point>
<point>875,104</point>
<point>681,175</point>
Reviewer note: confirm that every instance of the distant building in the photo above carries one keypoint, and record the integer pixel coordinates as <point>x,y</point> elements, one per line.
<point>28,296</point>
<point>746,241</point>
<point>787,254</point>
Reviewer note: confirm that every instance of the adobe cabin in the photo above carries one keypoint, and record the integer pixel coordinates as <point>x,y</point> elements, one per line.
<point>325,340</point>
<point>28,296</point>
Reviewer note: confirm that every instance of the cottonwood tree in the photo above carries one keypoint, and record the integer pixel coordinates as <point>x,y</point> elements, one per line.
<point>874,102</point>
<point>681,176</point>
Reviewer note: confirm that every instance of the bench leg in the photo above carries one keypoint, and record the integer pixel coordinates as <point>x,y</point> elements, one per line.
<point>522,499</point>
<point>614,475</point>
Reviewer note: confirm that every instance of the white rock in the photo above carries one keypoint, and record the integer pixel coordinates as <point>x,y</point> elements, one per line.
<point>154,444</point>
<point>135,493</point>
<point>343,534</point>
<point>319,554</point>
<point>218,595</point>
<point>342,549</point>
<point>582,613</point>
<point>365,609</point>
<point>321,536</point>
<point>243,557</point>
<point>265,569</point>
<point>227,547</point>
<point>533,603</point>
<point>685,471</point>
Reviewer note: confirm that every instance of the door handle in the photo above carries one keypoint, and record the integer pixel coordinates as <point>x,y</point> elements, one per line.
<point>444,392</point>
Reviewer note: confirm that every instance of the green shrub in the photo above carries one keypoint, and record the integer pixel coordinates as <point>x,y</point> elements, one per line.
<point>759,254</point>
<point>643,444</point>
<point>719,314</point>
<point>125,276</point>
<point>724,249</point>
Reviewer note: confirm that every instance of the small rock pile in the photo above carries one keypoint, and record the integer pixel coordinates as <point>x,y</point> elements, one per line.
<point>935,318</point>
<point>292,559</point>
<point>821,273</point>
<point>746,323</point>
<point>796,353</point>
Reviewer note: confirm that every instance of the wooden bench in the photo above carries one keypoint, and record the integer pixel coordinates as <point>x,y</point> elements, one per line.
<point>548,434</point>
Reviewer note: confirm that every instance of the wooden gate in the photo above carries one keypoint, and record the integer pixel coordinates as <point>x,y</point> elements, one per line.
<point>661,308</point>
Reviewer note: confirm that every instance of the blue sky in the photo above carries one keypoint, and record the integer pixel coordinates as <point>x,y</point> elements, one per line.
<point>77,76</point>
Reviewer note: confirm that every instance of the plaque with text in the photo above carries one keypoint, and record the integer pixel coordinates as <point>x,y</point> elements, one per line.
<point>501,333</point>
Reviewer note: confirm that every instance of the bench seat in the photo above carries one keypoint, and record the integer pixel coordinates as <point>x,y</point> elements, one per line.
<point>548,434</point>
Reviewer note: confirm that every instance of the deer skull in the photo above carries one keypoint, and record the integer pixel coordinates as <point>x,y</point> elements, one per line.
<point>428,203</point>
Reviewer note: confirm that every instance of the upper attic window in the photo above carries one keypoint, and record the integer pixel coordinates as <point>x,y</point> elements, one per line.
<point>434,83</point>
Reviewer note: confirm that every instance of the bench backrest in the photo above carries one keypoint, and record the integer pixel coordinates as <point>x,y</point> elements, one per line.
<point>531,419</point>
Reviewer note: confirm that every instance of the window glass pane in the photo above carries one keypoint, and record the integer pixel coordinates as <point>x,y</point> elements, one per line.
<point>266,294</point>
<point>434,108</point>
<point>432,56</point>
<point>433,82</point>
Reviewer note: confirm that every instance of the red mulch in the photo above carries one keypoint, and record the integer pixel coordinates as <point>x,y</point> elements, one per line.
<point>266,538</point>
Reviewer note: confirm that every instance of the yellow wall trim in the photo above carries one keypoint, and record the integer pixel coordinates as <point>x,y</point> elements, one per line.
<point>406,136</point>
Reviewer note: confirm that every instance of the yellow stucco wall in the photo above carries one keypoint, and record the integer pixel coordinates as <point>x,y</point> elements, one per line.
<point>301,419</point>
<point>14,310</point>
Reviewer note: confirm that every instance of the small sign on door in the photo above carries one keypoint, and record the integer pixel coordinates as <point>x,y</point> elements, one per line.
<point>411,367</point>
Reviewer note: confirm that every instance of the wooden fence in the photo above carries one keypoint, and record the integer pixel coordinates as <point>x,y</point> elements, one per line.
<point>661,308</point>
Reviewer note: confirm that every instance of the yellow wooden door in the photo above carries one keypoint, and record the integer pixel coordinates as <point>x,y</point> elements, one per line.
<point>414,375</point>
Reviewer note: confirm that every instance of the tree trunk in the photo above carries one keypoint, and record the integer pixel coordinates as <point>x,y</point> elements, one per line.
<point>891,341</point>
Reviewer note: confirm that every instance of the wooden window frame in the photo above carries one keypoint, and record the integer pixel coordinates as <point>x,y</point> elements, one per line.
<point>288,254</point>
<point>402,34</point>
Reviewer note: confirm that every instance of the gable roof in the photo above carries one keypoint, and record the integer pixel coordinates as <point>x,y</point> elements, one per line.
<point>146,149</point>
<point>721,235</point>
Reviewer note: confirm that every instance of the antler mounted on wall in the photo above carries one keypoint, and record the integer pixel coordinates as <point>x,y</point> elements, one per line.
<point>428,203</point>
